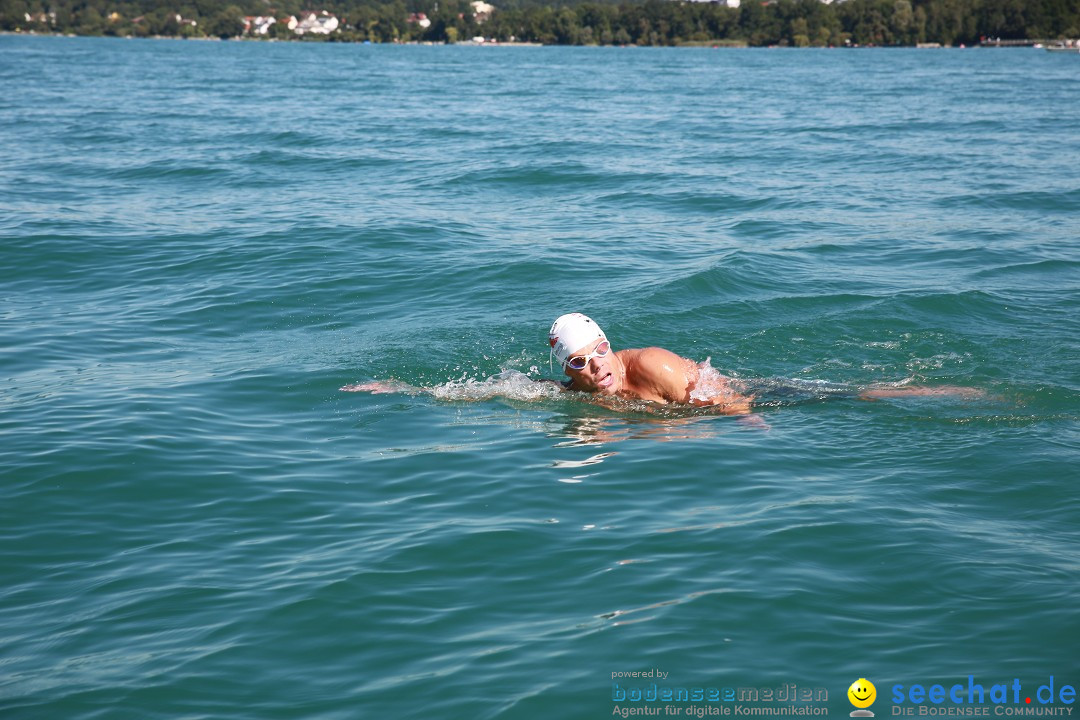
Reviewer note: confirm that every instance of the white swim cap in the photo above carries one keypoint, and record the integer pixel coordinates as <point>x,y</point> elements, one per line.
<point>571,332</point>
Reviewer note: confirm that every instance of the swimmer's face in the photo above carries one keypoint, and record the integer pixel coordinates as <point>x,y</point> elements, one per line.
<point>599,374</point>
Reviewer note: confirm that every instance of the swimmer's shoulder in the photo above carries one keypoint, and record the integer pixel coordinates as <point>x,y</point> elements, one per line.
<point>656,362</point>
<point>661,375</point>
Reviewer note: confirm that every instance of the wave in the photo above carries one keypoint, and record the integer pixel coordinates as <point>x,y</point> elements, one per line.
<point>1040,201</point>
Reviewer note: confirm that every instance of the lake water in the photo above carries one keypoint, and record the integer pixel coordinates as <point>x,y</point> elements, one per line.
<point>202,242</point>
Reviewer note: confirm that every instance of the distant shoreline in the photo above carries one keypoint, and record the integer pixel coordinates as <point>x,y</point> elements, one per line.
<point>925,24</point>
<point>696,44</point>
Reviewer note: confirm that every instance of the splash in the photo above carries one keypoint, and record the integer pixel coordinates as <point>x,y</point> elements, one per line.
<point>509,384</point>
<point>710,383</point>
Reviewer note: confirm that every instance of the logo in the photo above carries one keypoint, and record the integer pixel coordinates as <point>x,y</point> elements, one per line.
<point>975,699</point>
<point>862,694</point>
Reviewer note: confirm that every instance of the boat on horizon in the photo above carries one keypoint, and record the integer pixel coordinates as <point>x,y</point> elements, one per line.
<point>1072,46</point>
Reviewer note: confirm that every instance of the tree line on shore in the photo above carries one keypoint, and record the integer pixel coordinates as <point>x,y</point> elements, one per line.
<point>798,23</point>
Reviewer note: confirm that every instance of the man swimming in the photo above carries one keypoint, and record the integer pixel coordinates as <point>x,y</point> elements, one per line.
<point>653,374</point>
<point>660,376</point>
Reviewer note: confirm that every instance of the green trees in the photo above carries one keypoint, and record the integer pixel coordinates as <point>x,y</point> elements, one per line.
<point>797,23</point>
<point>226,23</point>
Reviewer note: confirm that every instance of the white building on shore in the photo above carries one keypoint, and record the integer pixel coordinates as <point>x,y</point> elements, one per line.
<point>316,23</point>
<point>257,24</point>
<point>481,10</point>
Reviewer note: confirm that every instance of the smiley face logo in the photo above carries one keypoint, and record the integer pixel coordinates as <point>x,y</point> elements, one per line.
<point>862,694</point>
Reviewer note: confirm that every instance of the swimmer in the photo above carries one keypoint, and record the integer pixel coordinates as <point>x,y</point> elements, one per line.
<point>661,376</point>
<point>654,374</point>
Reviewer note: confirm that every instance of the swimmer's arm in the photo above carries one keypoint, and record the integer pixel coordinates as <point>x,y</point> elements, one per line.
<point>663,374</point>
<point>380,387</point>
<point>673,378</point>
<point>729,404</point>
<point>891,391</point>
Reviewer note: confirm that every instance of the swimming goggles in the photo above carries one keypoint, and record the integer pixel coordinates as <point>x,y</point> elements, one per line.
<point>578,362</point>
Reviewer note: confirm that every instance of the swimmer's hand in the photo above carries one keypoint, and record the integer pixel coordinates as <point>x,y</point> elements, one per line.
<point>726,404</point>
<point>880,392</point>
<point>732,403</point>
<point>754,420</point>
<point>377,387</point>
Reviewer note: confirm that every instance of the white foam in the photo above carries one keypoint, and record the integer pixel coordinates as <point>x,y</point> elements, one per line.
<point>511,384</point>
<point>710,383</point>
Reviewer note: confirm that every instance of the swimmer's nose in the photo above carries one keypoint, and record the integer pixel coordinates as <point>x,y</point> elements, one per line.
<point>594,364</point>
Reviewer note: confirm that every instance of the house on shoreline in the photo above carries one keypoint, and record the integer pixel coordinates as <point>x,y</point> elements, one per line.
<point>316,23</point>
<point>258,24</point>
<point>310,22</point>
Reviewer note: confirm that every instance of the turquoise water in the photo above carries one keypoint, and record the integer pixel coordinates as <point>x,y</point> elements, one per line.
<point>202,242</point>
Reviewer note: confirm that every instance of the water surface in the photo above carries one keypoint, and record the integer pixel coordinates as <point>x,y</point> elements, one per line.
<point>201,242</point>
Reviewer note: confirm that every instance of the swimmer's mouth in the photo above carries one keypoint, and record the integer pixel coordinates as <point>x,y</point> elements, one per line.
<point>606,380</point>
